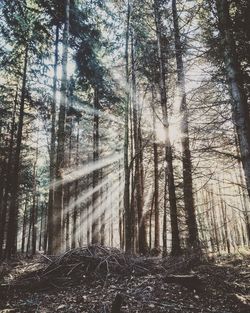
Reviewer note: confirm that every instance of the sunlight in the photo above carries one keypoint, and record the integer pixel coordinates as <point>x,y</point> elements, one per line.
<point>174,130</point>
<point>79,172</point>
<point>93,213</point>
<point>88,193</point>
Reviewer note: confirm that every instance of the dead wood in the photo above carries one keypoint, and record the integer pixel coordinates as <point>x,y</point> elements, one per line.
<point>192,282</point>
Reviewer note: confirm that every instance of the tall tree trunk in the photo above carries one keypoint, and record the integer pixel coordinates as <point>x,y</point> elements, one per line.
<point>45,233</point>
<point>40,245</point>
<point>13,213</point>
<point>121,213</point>
<point>127,207</point>
<point>74,226</point>
<point>193,238</point>
<point>29,233</point>
<point>7,189</point>
<point>137,177</point>
<point>103,213</point>
<point>240,109</point>
<point>52,148</point>
<point>96,173</point>
<point>57,240</point>
<point>164,227</point>
<point>176,247</point>
<point>67,187</point>
<point>156,186</point>
<point>34,205</point>
<point>24,224</point>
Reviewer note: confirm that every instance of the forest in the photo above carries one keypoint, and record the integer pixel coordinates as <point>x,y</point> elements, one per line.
<point>125,156</point>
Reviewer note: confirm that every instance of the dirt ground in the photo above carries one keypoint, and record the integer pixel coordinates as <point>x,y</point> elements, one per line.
<point>224,287</point>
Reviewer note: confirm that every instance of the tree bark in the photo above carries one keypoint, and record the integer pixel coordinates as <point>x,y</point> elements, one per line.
<point>127,207</point>
<point>57,241</point>
<point>193,237</point>
<point>156,186</point>
<point>52,148</point>
<point>176,248</point>
<point>24,224</point>
<point>95,214</point>
<point>7,189</point>
<point>13,213</point>
<point>34,206</point>
<point>138,171</point>
<point>75,213</point>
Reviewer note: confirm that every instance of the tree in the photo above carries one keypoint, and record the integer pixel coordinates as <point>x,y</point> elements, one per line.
<point>193,238</point>
<point>57,242</point>
<point>234,75</point>
<point>176,249</point>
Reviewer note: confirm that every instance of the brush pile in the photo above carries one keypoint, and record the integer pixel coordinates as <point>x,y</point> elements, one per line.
<point>82,264</point>
<point>97,260</point>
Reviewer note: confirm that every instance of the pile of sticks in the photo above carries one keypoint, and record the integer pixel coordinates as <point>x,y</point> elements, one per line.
<point>95,259</point>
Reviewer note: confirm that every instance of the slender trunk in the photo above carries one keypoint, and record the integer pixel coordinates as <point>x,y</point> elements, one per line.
<point>193,237</point>
<point>34,205</point>
<point>215,225</point>
<point>53,148</point>
<point>24,224</point>
<point>150,221</point>
<point>103,214</point>
<point>29,234</point>
<point>57,240</point>
<point>176,247</point>
<point>41,228</point>
<point>7,190</point>
<point>225,220</point>
<point>127,207</point>
<point>67,187</point>
<point>121,213</point>
<point>137,177</point>
<point>165,228</point>
<point>45,233</point>
<point>95,214</point>
<point>74,226</point>
<point>156,187</point>
<point>13,214</point>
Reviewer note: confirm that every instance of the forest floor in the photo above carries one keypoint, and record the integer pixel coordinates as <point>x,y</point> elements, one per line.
<point>87,280</point>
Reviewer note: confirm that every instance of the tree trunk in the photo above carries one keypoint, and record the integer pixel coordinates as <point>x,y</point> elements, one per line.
<point>121,213</point>
<point>137,148</point>
<point>103,213</point>
<point>176,248</point>
<point>57,240</point>
<point>7,189</point>
<point>156,187</point>
<point>127,207</point>
<point>74,226</point>
<point>95,214</point>
<point>13,214</point>
<point>24,224</point>
<point>53,148</point>
<point>193,238</point>
<point>67,187</point>
<point>34,205</point>
<point>40,245</point>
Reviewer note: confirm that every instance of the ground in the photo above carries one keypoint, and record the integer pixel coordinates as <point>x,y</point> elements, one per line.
<point>87,282</point>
